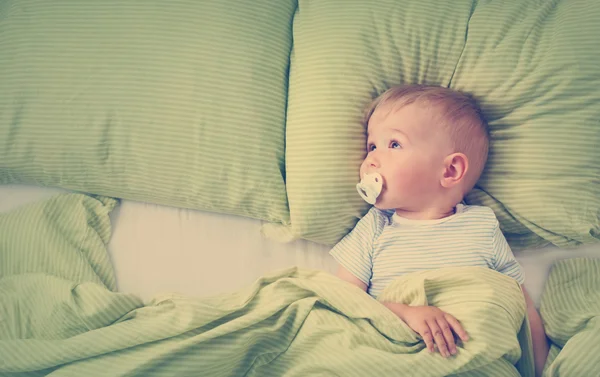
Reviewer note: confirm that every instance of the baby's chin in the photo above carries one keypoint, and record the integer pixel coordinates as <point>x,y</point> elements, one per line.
<point>382,205</point>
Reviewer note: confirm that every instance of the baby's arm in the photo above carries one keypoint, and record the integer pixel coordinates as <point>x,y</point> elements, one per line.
<point>346,275</point>
<point>538,335</point>
<point>506,263</point>
<point>431,323</point>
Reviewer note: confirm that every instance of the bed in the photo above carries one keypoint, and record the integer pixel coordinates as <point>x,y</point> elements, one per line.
<point>157,249</point>
<point>172,179</point>
<point>169,258</point>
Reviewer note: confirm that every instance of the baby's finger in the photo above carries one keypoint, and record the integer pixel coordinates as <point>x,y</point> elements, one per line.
<point>439,337</point>
<point>457,327</point>
<point>448,335</point>
<point>427,337</point>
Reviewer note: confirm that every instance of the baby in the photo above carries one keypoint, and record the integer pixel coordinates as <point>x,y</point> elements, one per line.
<point>429,146</point>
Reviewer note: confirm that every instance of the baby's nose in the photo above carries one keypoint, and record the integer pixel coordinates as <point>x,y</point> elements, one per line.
<point>372,161</point>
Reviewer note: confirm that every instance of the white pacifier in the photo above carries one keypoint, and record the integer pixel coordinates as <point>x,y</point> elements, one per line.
<point>370,187</point>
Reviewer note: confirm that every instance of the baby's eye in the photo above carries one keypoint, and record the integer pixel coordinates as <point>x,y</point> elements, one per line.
<point>395,144</point>
<point>371,147</point>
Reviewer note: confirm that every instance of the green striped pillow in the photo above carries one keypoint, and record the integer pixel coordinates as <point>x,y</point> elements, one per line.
<point>533,66</point>
<point>179,103</point>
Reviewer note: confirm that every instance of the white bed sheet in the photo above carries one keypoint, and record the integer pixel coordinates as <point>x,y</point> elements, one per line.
<point>156,249</point>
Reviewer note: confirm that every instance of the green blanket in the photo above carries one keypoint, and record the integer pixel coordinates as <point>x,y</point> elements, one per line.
<point>61,316</point>
<point>293,322</point>
<point>571,312</point>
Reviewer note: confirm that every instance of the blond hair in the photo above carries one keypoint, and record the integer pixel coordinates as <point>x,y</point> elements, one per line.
<point>458,113</point>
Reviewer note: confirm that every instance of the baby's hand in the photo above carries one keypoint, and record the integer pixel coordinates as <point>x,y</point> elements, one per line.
<point>435,326</point>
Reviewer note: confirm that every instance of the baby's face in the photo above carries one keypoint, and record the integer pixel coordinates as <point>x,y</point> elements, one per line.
<point>408,149</point>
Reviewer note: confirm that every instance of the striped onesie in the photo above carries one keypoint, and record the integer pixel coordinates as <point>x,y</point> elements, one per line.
<point>384,246</point>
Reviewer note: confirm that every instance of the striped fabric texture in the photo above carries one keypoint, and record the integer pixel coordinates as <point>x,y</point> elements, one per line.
<point>532,65</point>
<point>345,52</point>
<point>382,248</point>
<point>64,319</point>
<point>570,308</point>
<point>180,104</point>
<point>65,236</point>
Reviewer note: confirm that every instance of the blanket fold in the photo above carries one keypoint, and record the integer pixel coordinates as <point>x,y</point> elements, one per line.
<point>570,308</point>
<point>293,322</point>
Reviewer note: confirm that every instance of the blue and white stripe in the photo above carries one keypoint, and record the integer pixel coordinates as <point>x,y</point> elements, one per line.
<point>384,246</point>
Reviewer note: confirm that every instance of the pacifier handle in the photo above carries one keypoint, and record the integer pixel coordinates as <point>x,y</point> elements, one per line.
<point>370,187</point>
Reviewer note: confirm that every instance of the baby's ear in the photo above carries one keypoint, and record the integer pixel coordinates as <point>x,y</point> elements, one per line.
<point>456,166</point>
